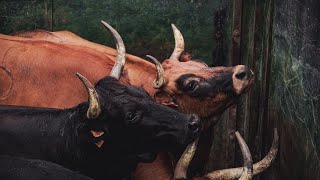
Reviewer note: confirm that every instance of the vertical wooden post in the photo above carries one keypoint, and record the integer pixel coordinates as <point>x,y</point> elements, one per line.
<point>235,58</point>
<point>219,55</point>
<point>255,52</point>
<point>236,31</point>
<point>223,150</point>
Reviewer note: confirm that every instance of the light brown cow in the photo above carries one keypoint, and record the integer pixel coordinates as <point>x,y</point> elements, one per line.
<point>37,69</point>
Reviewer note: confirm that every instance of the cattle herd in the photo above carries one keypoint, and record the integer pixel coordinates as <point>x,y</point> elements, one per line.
<point>77,110</point>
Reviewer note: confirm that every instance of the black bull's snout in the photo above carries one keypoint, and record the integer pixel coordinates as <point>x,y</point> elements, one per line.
<point>194,127</point>
<point>179,132</point>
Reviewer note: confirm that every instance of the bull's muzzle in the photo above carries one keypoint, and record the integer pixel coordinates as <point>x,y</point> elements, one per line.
<point>194,127</point>
<point>194,124</point>
<point>242,79</point>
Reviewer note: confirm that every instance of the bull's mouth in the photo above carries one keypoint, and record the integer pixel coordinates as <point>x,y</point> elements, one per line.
<point>192,137</point>
<point>173,141</point>
<point>233,99</point>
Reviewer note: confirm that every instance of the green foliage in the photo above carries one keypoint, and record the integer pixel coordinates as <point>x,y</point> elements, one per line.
<point>23,15</point>
<point>143,24</point>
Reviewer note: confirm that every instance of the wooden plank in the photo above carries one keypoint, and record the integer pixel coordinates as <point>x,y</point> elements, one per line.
<point>219,55</point>
<point>236,32</point>
<point>253,109</point>
<point>228,35</point>
<point>235,59</point>
<point>247,58</point>
<point>267,123</point>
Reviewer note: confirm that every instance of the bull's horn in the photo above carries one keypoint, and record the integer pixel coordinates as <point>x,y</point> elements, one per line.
<point>179,43</point>
<point>94,105</point>
<point>258,167</point>
<point>120,58</point>
<point>247,159</point>
<point>180,171</point>
<point>160,81</point>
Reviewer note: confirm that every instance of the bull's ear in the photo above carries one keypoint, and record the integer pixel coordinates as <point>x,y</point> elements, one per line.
<point>165,98</point>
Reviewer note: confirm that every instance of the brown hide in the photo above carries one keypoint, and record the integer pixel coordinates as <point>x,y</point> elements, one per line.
<point>161,169</point>
<point>43,73</point>
<point>41,79</point>
<point>38,69</point>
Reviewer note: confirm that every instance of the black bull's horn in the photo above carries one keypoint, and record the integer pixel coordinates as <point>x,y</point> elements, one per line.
<point>94,105</point>
<point>121,52</point>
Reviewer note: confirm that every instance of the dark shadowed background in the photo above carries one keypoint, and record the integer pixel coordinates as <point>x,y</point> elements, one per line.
<point>279,40</point>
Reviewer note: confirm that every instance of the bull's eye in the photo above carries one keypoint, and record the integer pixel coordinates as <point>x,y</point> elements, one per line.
<point>131,117</point>
<point>192,86</point>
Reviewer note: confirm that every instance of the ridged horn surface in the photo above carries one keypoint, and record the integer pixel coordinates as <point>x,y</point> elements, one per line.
<point>121,52</point>
<point>94,105</point>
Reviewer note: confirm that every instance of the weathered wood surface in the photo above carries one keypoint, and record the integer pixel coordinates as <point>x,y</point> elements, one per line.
<point>280,41</point>
<point>295,86</point>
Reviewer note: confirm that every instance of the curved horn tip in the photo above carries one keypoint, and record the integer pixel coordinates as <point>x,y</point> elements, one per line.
<point>151,57</point>
<point>121,52</point>
<point>174,26</point>
<point>247,159</point>
<point>94,105</point>
<point>85,81</point>
<point>154,60</point>
<point>182,165</point>
<point>179,43</point>
<point>160,80</point>
<point>104,23</point>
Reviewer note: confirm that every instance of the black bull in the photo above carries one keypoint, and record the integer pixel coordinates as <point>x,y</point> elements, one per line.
<point>130,128</point>
<point>15,168</point>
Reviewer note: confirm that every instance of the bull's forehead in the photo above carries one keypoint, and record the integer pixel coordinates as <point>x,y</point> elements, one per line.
<point>189,65</point>
<point>175,69</point>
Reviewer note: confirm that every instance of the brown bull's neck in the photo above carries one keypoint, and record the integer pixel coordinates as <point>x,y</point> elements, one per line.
<point>137,72</point>
<point>140,73</point>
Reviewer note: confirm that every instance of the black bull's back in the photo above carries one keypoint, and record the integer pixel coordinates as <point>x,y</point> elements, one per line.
<point>50,134</point>
<point>134,128</point>
<point>15,168</point>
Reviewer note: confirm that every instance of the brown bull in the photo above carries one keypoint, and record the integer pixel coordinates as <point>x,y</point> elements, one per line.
<point>33,64</point>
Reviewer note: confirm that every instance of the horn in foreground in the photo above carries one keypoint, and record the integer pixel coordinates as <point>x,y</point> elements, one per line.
<point>258,167</point>
<point>247,159</point>
<point>121,52</point>
<point>179,44</point>
<point>94,105</point>
<point>180,171</point>
<point>160,81</point>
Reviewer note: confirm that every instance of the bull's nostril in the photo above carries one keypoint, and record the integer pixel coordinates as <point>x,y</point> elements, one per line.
<point>241,75</point>
<point>193,126</point>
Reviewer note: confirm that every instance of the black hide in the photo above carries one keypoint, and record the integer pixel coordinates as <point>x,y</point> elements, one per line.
<point>135,129</point>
